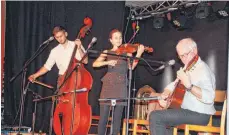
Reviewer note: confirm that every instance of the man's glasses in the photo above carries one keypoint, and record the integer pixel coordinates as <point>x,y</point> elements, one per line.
<point>184,55</point>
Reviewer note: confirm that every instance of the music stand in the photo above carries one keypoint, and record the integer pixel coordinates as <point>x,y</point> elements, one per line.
<point>129,80</point>
<point>113,104</point>
<point>53,97</point>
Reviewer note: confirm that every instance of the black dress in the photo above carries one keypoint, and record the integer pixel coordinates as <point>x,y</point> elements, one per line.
<point>115,80</point>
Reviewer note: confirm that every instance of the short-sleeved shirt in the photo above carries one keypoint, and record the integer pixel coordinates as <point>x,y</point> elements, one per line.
<point>61,57</point>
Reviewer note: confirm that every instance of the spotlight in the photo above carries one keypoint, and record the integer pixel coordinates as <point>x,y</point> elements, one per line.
<point>158,22</point>
<point>203,10</point>
<point>223,13</point>
<point>181,20</point>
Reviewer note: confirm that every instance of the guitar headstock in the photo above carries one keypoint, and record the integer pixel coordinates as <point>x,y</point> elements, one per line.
<point>148,49</point>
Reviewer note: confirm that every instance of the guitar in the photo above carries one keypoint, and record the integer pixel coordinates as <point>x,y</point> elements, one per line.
<point>176,98</point>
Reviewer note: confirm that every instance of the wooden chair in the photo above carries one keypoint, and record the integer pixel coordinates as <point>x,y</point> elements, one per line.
<point>220,97</point>
<point>95,121</point>
<point>135,126</point>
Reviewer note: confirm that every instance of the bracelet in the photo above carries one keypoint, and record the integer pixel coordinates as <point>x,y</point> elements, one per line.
<point>190,88</point>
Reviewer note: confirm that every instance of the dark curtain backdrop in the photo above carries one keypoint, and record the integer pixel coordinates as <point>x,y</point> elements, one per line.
<point>28,24</point>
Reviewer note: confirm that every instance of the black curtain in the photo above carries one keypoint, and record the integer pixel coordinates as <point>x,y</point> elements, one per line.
<point>28,24</point>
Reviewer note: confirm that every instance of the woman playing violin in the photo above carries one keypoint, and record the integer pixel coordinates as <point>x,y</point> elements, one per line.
<point>115,81</point>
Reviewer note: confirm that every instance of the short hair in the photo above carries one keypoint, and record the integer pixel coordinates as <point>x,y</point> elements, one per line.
<point>191,42</point>
<point>58,29</point>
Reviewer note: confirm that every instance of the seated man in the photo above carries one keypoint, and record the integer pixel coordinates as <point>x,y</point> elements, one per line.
<point>198,102</point>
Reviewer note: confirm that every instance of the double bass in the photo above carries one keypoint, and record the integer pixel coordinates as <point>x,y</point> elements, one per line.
<point>72,114</point>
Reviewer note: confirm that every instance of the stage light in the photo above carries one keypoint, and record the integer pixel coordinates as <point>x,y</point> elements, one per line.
<point>203,10</point>
<point>158,22</point>
<point>223,13</point>
<point>181,19</point>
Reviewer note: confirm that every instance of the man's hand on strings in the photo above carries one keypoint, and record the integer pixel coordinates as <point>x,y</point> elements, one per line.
<point>163,98</point>
<point>184,78</point>
<point>78,43</point>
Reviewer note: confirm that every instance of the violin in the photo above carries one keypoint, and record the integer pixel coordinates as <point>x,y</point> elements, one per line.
<point>131,48</point>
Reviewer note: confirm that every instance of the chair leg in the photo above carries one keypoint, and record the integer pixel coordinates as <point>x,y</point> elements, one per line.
<point>174,131</point>
<point>135,127</point>
<point>124,128</point>
<point>186,131</point>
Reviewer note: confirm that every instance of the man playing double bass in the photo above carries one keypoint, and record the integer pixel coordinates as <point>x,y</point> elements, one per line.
<point>61,54</point>
<point>198,102</point>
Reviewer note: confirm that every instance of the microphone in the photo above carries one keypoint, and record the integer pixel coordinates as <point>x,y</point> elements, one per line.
<point>94,39</point>
<point>169,63</point>
<point>50,39</point>
<point>47,41</point>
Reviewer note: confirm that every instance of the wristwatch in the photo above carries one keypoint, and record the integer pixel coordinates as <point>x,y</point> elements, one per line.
<point>190,88</point>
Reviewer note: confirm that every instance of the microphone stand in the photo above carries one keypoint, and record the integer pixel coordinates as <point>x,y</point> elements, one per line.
<point>129,82</point>
<point>134,89</point>
<point>23,89</point>
<point>113,104</point>
<point>128,101</point>
<point>53,97</point>
<point>130,79</point>
<point>29,61</point>
<point>36,96</point>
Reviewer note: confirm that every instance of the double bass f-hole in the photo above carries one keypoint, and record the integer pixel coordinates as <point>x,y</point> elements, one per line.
<point>74,107</point>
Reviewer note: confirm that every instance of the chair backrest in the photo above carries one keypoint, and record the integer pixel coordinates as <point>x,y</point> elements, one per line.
<point>220,97</point>
<point>223,117</point>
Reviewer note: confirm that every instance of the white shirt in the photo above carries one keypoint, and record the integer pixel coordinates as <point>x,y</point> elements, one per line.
<point>202,77</point>
<point>61,57</point>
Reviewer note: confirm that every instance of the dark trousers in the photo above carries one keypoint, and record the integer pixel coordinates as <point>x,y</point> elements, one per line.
<point>162,119</point>
<point>104,114</point>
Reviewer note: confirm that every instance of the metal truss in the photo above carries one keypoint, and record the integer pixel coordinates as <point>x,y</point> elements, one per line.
<point>157,8</point>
